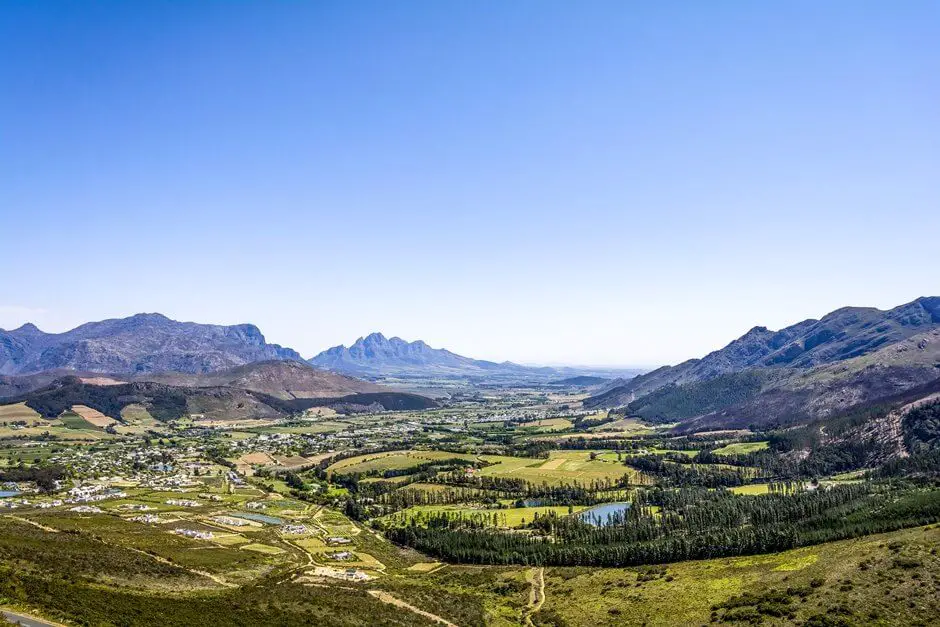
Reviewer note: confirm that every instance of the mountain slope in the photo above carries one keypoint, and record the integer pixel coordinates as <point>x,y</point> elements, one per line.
<point>376,355</point>
<point>280,379</point>
<point>844,334</point>
<point>140,343</point>
<point>215,402</point>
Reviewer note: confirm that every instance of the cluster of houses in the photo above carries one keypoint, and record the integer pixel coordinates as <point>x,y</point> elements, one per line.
<point>347,574</point>
<point>85,509</point>
<point>338,541</point>
<point>147,518</point>
<point>231,521</point>
<point>294,530</point>
<point>194,533</point>
<point>93,493</point>
<point>182,503</point>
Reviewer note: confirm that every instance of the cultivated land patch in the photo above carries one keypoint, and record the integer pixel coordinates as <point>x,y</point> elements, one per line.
<point>137,414</point>
<point>18,411</point>
<point>393,460</point>
<point>507,517</point>
<point>561,467</point>
<point>741,448</point>
<point>93,416</point>
<point>547,425</point>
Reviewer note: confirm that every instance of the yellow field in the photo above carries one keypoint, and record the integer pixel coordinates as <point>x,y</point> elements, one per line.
<point>392,460</point>
<point>229,539</point>
<point>560,467</point>
<point>134,414</point>
<point>263,548</point>
<point>751,489</point>
<point>18,411</point>
<point>93,416</point>
<point>510,517</point>
<point>424,567</point>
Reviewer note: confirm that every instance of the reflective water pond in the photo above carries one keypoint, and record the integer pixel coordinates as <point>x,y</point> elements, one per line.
<point>600,515</point>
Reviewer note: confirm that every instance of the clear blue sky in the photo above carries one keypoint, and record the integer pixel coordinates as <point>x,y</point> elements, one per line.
<point>582,182</point>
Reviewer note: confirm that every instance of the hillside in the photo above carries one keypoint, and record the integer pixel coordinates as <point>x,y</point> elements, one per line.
<point>843,334</point>
<point>140,343</point>
<point>376,355</point>
<point>808,371</point>
<point>280,379</point>
<point>169,402</point>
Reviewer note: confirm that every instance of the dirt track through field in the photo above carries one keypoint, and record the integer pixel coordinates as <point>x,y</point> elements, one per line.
<point>536,577</point>
<point>385,597</point>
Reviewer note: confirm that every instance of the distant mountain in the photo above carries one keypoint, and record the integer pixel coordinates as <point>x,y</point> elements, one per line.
<point>140,343</point>
<point>376,355</point>
<point>809,370</point>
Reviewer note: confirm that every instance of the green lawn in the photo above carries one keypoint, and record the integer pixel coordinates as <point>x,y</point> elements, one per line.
<point>741,448</point>
<point>509,517</point>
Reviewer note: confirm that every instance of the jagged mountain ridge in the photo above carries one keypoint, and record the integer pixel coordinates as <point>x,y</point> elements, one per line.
<point>851,358</point>
<point>140,343</point>
<point>375,355</point>
<point>841,335</point>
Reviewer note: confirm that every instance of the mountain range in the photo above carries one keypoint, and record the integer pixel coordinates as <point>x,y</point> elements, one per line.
<point>812,369</point>
<point>141,343</point>
<point>376,355</point>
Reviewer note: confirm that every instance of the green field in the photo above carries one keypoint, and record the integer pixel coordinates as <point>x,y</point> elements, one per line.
<point>393,460</point>
<point>71,420</point>
<point>741,448</point>
<point>547,425</point>
<point>312,428</point>
<point>508,517</point>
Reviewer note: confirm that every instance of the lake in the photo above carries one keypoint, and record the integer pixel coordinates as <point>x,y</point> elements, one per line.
<point>4,493</point>
<point>599,515</point>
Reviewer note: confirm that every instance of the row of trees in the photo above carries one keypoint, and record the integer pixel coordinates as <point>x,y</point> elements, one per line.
<point>702,526</point>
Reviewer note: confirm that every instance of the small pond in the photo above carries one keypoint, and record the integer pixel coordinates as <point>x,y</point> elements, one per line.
<point>270,520</point>
<point>5,493</point>
<point>599,515</point>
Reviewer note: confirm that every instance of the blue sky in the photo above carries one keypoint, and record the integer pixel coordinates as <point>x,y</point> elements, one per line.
<point>594,183</point>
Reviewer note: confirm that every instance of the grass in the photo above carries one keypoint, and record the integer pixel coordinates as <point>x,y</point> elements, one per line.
<point>546,425</point>
<point>561,467</point>
<point>72,420</point>
<point>267,549</point>
<point>393,460</point>
<point>751,489</point>
<point>312,428</point>
<point>884,579</point>
<point>741,448</point>
<point>511,517</point>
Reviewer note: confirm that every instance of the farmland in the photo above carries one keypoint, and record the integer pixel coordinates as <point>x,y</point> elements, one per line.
<point>386,510</point>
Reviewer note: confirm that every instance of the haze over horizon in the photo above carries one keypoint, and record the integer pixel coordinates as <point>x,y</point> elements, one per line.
<point>622,185</point>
